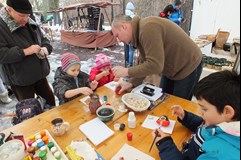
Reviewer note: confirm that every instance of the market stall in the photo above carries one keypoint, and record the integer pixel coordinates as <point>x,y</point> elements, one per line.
<point>82,25</point>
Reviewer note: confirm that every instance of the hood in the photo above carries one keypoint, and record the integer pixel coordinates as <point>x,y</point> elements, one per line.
<point>229,132</point>
<point>232,128</point>
<point>60,74</point>
<point>130,6</point>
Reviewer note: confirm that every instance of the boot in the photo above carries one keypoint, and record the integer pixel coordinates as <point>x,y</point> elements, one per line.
<point>4,97</point>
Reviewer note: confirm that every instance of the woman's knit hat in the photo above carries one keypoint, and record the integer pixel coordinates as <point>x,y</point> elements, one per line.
<point>102,61</point>
<point>68,60</point>
<point>21,6</point>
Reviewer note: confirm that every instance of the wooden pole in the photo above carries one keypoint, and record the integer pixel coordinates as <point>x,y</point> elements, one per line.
<point>124,6</point>
<point>98,29</point>
<point>112,12</point>
<point>107,16</point>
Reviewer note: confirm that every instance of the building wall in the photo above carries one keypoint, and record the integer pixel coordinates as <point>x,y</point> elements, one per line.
<point>210,15</point>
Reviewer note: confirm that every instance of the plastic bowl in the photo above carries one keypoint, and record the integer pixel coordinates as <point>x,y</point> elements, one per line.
<point>136,102</point>
<point>105,113</point>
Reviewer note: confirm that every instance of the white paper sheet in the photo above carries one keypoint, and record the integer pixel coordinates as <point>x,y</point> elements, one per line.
<point>112,85</point>
<point>96,131</point>
<point>150,123</point>
<point>157,93</point>
<point>131,153</point>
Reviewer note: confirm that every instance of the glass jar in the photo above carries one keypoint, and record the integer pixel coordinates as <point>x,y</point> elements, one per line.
<point>94,103</point>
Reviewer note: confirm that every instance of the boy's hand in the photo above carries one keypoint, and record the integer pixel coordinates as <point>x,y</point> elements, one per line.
<point>178,110</point>
<point>94,84</point>
<point>86,91</point>
<point>160,136</point>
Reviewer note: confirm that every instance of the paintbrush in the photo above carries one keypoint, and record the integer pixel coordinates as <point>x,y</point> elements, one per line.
<point>155,137</point>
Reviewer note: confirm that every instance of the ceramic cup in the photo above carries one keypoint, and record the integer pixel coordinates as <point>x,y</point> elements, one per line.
<point>59,127</point>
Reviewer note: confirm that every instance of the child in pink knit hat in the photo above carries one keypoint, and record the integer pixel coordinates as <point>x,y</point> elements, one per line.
<point>102,71</point>
<point>69,81</point>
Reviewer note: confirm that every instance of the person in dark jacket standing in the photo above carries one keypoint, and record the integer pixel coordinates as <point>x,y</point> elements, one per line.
<point>217,131</point>
<point>23,52</point>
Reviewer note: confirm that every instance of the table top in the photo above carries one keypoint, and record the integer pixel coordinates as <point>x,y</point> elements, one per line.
<point>76,113</point>
<point>201,42</point>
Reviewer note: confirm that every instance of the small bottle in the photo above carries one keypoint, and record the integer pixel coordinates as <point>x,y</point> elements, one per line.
<point>43,155</point>
<point>32,138</point>
<point>132,120</point>
<point>53,150</point>
<point>50,145</point>
<point>44,148</point>
<point>35,145</point>
<point>57,155</point>
<point>45,139</point>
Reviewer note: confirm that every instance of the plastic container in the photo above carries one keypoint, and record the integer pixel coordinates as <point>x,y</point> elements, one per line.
<point>12,150</point>
<point>132,120</point>
<point>52,144</point>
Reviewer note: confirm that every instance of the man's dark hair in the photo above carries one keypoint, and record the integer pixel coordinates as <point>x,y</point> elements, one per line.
<point>221,89</point>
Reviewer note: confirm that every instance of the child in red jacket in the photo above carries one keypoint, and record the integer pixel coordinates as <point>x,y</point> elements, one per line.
<point>102,71</point>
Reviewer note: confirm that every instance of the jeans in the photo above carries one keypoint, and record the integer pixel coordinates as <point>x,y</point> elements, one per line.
<point>40,88</point>
<point>2,87</point>
<point>182,88</point>
<point>129,55</point>
<point>126,50</point>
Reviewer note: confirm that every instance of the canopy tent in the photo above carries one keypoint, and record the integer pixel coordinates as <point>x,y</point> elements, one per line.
<point>82,25</point>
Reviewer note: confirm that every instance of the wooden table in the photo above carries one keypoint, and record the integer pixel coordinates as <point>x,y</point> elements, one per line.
<point>76,114</point>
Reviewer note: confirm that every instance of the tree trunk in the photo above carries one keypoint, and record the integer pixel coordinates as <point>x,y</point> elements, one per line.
<point>54,4</point>
<point>187,8</point>
<point>37,5</point>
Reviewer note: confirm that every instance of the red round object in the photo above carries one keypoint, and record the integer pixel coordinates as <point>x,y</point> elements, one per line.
<point>129,136</point>
<point>163,121</point>
<point>117,90</point>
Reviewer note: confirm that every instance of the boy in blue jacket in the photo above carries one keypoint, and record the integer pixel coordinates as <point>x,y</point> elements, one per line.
<point>217,133</point>
<point>177,16</point>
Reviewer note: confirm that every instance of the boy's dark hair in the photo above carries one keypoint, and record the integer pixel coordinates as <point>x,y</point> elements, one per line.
<point>221,89</point>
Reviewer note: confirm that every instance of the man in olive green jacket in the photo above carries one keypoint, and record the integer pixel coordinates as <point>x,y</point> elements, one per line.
<point>165,49</point>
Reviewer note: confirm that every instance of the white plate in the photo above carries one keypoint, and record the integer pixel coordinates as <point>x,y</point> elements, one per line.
<point>136,102</point>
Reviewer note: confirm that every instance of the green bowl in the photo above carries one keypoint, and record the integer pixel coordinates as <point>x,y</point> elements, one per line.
<point>106,113</point>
